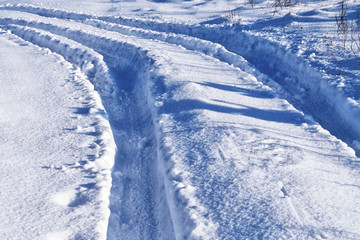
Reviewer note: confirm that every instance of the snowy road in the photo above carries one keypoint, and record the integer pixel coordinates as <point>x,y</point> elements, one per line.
<point>205,150</point>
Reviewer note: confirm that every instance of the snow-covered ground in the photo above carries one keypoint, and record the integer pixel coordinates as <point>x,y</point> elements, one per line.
<point>179,120</point>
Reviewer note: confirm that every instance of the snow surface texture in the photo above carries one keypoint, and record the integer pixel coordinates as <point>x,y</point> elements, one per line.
<point>57,156</point>
<point>207,143</point>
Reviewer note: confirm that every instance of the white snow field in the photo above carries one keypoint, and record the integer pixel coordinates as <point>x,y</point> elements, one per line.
<point>179,120</point>
<point>56,147</point>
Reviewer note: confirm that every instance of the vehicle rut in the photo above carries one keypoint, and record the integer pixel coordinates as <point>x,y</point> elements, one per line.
<point>137,195</point>
<point>127,70</point>
<point>302,88</point>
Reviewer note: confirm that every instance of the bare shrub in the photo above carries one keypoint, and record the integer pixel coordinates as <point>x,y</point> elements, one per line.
<point>232,17</point>
<point>342,23</point>
<point>252,3</point>
<point>280,4</point>
<point>348,31</point>
<point>355,36</point>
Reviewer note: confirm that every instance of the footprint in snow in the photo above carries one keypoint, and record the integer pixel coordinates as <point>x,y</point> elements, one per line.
<point>283,192</point>
<point>64,198</point>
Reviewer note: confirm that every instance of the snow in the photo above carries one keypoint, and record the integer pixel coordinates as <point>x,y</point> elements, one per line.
<point>177,120</point>
<point>44,178</point>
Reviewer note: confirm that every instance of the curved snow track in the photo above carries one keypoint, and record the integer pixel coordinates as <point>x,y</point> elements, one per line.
<point>205,150</point>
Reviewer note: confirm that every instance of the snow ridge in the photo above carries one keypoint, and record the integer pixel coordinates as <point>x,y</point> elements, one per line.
<point>296,80</point>
<point>311,87</point>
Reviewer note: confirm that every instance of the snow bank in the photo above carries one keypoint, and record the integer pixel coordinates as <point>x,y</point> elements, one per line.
<point>91,64</point>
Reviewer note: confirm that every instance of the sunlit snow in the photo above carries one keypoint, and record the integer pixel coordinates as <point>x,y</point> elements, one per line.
<point>179,119</point>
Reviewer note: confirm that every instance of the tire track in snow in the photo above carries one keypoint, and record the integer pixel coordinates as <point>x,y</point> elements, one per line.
<point>298,82</point>
<point>103,44</point>
<point>297,214</point>
<point>185,219</point>
<point>187,41</point>
<point>291,77</point>
<point>134,174</point>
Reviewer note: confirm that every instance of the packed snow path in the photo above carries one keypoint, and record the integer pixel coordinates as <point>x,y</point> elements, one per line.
<point>205,151</point>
